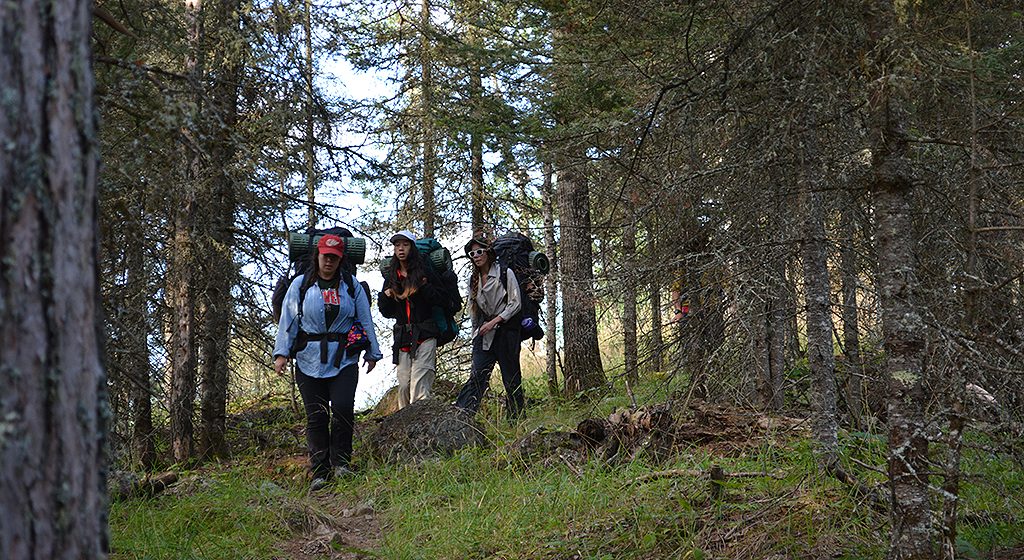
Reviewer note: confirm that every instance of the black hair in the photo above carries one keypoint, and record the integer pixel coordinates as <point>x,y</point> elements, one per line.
<point>474,279</point>
<point>313,271</point>
<point>415,271</point>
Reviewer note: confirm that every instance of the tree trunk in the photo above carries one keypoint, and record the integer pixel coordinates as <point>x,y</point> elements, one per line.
<point>136,330</point>
<point>476,137</point>
<point>756,315</point>
<point>817,291</point>
<point>972,295</point>
<point>551,281</point>
<point>794,351</point>
<point>582,365</point>
<point>657,342</point>
<point>902,321</point>
<point>776,334</point>
<point>181,277</point>
<point>311,178</point>
<point>53,407</point>
<point>851,324</point>
<point>629,303</point>
<point>426,86</point>
<point>218,302</point>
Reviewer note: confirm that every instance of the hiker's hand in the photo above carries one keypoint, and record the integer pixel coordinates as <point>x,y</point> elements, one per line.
<point>389,293</point>
<point>489,326</point>
<point>279,363</point>
<point>370,364</point>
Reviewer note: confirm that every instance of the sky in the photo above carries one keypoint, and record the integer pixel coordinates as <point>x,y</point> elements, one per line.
<point>338,77</point>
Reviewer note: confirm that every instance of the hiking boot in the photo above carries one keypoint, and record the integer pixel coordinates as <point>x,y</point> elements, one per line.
<point>343,472</point>
<point>317,484</point>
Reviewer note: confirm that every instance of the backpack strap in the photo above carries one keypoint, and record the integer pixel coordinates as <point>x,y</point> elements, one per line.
<point>303,338</point>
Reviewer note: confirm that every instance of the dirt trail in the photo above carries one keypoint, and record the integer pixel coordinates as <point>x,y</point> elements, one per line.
<point>332,529</point>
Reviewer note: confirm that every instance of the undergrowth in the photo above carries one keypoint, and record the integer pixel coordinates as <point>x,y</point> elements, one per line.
<point>487,503</point>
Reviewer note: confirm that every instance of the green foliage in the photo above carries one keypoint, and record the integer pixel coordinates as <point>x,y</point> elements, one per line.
<point>227,518</point>
<point>488,503</point>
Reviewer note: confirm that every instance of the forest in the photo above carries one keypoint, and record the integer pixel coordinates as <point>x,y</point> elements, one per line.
<point>784,316</point>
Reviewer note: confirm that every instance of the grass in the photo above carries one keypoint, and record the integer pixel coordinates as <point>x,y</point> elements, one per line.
<point>221,519</point>
<point>489,504</point>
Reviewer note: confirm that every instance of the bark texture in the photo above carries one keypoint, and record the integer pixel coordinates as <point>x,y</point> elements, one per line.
<point>218,248</point>
<point>851,322</point>
<point>53,407</point>
<point>582,366</point>
<point>903,325</point>
<point>181,277</point>
<point>629,294</point>
<point>814,257</point>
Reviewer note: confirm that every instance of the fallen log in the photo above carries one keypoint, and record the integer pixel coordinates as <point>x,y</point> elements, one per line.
<point>124,486</point>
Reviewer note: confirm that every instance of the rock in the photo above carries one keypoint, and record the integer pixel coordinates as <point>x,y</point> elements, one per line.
<point>388,404</point>
<point>363,509</point>
<point>545,441</point>
<point>425,429</point>
<point>338,540</point>
<point>270,490</point>
<point>120,484</point>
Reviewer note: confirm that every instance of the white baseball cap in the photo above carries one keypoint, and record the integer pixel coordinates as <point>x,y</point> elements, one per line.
<point>404,234</point>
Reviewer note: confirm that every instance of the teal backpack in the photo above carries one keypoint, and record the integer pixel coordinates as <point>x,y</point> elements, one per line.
<point>439,259</point>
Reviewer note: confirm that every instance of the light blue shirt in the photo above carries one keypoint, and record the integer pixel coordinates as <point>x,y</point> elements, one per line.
<point>314,322</point>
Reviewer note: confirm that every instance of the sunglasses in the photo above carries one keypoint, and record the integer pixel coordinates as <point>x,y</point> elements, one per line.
<point>476,253</point>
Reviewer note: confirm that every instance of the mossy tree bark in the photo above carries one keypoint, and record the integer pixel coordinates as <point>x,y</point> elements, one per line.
<point>53,407</point>
<point>903,323</point>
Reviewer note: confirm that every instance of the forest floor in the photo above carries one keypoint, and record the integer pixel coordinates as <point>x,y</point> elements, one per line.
<point>644,498</point>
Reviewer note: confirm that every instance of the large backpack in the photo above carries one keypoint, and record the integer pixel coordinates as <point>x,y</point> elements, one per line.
<point>439,260</point>
<point>299,246</point>
<point>515,251</point>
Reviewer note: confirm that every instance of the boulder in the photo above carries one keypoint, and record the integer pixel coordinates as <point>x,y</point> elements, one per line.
<point>388,404</point>
<point>425,429</point>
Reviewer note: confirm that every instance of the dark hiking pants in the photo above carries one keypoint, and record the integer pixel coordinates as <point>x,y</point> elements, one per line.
<point>330,418</point>
<point>504,351</point>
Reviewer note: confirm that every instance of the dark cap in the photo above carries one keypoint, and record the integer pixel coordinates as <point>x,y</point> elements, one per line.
<point>482,238</point>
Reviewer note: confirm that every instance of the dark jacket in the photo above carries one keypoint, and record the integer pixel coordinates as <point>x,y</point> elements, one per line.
<point>423,325</point>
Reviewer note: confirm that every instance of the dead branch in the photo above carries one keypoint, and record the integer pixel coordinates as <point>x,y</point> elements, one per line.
<point>694,473</point>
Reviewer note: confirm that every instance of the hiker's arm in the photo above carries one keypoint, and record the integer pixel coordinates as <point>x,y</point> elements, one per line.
<point>279,363</point>
<point>287,327</point>
<point>363,310</point>
<point>386,304</point>
<point>677,309</point>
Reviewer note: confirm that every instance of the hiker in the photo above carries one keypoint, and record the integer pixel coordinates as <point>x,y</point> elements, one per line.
<point>680,305</point>
<point>325,325</point>
<point>495,306</point>
<point>411,291</point>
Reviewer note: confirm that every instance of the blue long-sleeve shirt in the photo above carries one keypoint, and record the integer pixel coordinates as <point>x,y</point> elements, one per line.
<point>314,322</point>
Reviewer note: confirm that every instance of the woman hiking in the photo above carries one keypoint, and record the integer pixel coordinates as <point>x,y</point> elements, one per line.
<point>325,325</point>
<point>495,305</point>
<point>411,291</point>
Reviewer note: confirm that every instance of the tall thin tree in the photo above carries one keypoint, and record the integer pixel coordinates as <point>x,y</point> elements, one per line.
<point>890,73</point>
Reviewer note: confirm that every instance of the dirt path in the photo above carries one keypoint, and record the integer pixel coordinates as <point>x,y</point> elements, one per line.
<point>335,531</point>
